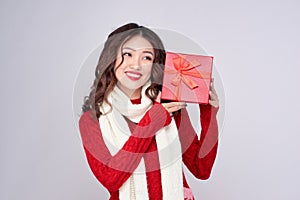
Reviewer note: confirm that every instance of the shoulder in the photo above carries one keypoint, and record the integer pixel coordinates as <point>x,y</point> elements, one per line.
<point>89,126</point>
<point>88,117</point>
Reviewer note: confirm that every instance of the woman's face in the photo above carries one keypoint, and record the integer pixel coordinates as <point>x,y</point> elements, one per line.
<point>136,68</point>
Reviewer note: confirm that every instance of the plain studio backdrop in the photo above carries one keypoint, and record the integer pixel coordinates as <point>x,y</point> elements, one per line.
<point>256,48</point>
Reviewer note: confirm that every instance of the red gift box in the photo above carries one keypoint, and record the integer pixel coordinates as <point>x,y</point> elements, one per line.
<point>187,78</point>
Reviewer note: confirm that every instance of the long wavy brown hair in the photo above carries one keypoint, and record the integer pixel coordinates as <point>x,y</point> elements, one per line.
<point>105,79</point>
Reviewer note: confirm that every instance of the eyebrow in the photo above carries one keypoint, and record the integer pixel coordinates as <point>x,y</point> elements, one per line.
<point>145,51</point>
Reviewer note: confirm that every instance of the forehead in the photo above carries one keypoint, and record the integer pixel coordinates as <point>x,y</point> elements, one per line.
<point>138,42</point>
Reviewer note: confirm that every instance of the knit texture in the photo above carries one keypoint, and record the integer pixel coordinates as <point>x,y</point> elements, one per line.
<point>116,132</point>
<point>198,155</point>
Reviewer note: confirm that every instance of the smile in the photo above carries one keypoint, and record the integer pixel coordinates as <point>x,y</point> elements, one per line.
<point>133,75</point>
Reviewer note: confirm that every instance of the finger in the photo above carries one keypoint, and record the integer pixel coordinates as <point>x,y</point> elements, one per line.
<point>214,103</point>
<point>174,104</point>
<point>212,86</point>
<point>175,108</point>
<point>213,95</point>
<point>213,92</point>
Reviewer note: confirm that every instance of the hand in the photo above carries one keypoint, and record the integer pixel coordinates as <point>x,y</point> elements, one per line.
<point>171,106</point>
<point>213,97</point>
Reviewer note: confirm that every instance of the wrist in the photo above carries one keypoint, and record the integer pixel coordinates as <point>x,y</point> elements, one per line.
<point>159,113</point>
<point>204,108</point>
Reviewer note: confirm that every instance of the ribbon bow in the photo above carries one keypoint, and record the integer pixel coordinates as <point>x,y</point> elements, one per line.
<point>184,72</point>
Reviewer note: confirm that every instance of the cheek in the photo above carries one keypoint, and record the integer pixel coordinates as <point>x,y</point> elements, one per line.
<point>148,71</point>
<point>119,68</point>
<point>118,61</point>
<point>119,74</point>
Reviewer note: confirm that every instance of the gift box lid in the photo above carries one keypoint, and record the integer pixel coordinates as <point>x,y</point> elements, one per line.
<point>187,77</point>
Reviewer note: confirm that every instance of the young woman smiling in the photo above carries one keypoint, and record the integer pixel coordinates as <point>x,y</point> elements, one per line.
<point>134,143</point>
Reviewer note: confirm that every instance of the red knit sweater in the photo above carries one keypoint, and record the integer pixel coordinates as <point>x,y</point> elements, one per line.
<point>198,155</point>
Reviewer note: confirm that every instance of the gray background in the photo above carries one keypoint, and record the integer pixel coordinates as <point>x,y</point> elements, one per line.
<point>256,48</point>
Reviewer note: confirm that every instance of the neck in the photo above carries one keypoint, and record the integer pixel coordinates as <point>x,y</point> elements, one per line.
<point>132,94</point>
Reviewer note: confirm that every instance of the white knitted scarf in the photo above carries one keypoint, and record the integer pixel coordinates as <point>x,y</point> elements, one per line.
<point>116,132</point>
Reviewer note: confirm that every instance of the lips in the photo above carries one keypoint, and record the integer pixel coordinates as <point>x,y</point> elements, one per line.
<point>133,75</point>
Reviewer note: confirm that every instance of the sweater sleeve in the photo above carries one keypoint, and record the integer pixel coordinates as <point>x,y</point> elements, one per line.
<point>113,171</point>
<point>199,155</point>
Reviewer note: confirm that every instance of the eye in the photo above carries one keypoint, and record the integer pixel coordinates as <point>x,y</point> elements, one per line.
<point>127,54</point>
<point>148,58</point>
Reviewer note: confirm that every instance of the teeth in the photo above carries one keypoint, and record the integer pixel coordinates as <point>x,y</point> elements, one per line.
<point>133,75</point>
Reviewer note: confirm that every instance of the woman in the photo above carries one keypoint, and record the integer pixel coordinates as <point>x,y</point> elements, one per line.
<point>135,144</point>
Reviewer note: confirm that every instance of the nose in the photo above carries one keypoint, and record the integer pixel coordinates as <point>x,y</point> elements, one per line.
<point>135,63</point>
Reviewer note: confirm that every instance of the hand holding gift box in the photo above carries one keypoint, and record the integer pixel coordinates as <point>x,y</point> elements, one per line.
<point>187,78</point>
